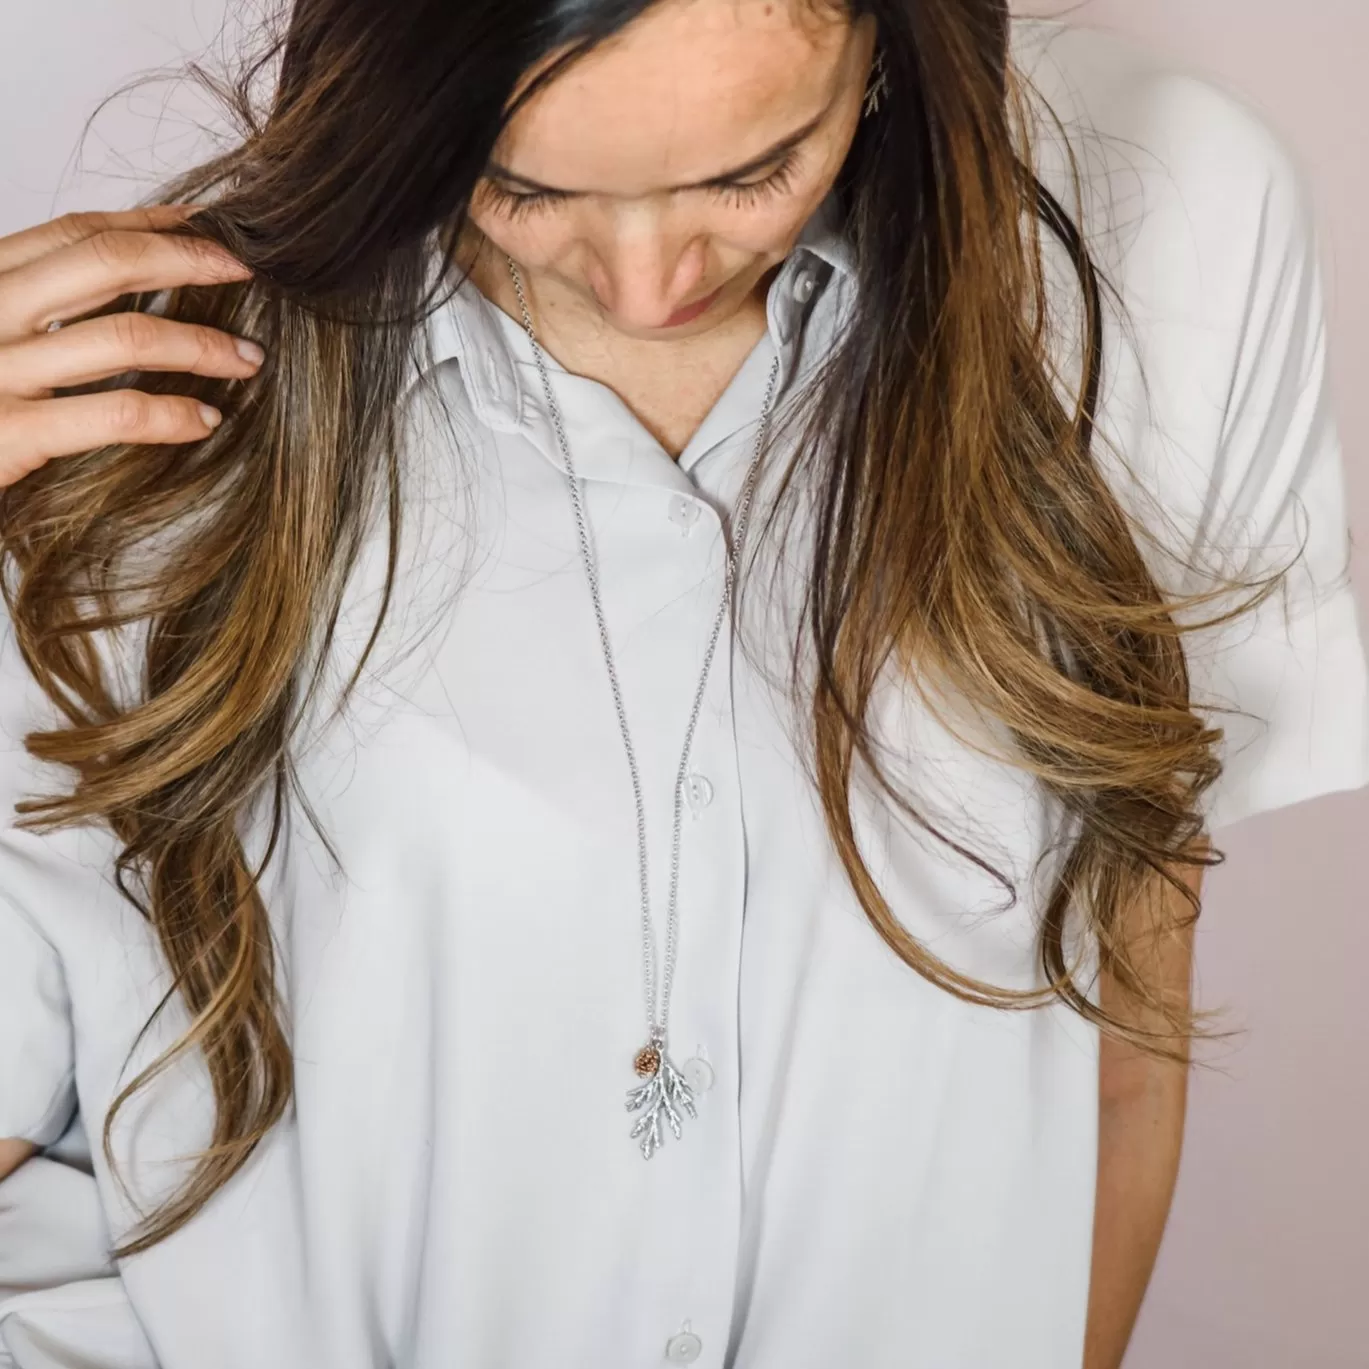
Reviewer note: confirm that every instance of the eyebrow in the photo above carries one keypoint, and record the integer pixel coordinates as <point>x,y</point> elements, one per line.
<point>771,154</point>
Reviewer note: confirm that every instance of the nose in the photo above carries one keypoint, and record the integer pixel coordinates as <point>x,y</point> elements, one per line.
<point>645,271</point>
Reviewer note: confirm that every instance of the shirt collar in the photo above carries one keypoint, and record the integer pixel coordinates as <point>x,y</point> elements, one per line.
<point>503,388</point>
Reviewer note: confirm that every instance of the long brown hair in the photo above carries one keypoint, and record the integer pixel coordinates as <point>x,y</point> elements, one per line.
<point>962,525</point>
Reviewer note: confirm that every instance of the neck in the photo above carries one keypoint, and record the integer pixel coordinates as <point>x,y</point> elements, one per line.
<point>670,386</point>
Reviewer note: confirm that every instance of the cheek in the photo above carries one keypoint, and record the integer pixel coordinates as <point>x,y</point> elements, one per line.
<point>766,230</point>
<point>778,221</point>
<point>534,240</point>
<point>762,233</point>
<point>770,225</point>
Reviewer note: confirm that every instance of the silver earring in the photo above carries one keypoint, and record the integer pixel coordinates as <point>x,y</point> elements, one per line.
<point>879,84</point>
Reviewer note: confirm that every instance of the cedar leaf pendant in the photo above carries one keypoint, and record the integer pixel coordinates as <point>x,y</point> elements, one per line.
<point>665,1094</point>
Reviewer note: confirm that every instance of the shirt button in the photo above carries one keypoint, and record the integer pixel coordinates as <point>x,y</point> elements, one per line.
<point>684,1348</point>
<point>804,284</point>
<point>698,792</point>
<point>684,513</point>
<point>698,1074</point>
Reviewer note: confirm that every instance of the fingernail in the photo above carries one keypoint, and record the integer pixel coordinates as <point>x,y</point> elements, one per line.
<point>212,417</point>
<point>249,351</point>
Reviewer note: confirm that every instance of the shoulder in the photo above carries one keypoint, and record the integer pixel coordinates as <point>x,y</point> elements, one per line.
<point>1176,171</point>
<point>1199,217</point>
<point>1115,89</point>
<point>1215,405</point>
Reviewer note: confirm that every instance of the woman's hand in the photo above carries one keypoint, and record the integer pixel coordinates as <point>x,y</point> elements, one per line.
<point>66,268</point>
<point>70,266</point>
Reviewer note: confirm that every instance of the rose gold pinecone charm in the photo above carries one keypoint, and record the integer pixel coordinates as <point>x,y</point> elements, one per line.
<point>647,1061</point>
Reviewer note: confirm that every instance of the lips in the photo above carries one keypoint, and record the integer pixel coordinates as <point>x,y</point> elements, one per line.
<point>691,311</point>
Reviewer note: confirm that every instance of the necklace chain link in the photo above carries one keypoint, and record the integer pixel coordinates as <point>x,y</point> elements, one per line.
<point>656,1024</point>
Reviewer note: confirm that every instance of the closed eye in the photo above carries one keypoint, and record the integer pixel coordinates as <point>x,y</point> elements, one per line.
<point>517,204</point>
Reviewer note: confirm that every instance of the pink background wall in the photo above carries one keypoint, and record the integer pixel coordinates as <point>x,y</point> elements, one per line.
<point>1266,1259</point>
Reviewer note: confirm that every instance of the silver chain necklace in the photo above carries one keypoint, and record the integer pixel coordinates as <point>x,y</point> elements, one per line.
<point>665,1094</point>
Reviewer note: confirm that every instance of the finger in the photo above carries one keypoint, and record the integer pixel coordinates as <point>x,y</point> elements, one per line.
<point>77,279</point>
<point>99,348</point>
<point>33,432</point>
<point>31,243</point>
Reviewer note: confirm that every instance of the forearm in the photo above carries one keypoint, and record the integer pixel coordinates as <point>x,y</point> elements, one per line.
<point>13,1154</point>
<point>1142,1105</point>
<point>1139,1142</point>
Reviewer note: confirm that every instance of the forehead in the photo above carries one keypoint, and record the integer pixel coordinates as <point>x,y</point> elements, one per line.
<point>688,89</point>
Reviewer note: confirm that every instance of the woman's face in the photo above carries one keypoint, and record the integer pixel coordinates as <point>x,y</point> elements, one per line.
<point>661,176</point>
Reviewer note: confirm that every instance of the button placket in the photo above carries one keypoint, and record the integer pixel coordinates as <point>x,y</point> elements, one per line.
<point>698,1202</point>
<point>684,513</point>
<point>698,792</point>
<point>698,1074</point>
<point>683,1348</point>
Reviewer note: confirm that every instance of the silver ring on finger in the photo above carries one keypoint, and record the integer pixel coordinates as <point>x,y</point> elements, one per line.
<point>54,325</point>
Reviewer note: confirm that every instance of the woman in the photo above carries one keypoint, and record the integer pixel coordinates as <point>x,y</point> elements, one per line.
<point>478,936</point>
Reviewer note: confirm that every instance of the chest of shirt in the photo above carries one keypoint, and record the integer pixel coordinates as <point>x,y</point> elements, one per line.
<point>463,987</point>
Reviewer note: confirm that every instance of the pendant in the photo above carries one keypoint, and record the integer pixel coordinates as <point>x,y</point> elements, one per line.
<point>665,1094</point>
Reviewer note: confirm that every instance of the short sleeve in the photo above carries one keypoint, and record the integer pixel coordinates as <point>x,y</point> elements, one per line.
<point>1295,667</point>
<point>1216,418</point>
<point>37,1092</point>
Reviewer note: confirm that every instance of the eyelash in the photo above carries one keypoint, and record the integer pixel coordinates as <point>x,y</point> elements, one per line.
<point>515,204</point>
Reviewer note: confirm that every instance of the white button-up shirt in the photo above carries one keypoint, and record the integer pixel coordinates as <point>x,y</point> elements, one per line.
<point>880,1174</point>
